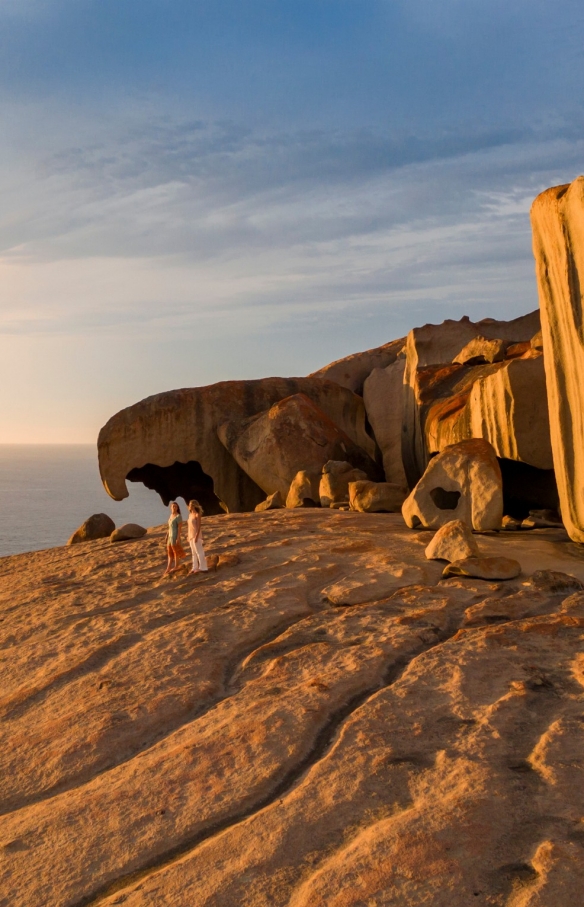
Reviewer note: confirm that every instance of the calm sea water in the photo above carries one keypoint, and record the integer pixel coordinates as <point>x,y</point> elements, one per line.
<point>47,491</point>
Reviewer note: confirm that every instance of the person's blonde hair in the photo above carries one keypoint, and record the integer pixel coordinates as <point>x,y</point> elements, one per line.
<point>196,506</point>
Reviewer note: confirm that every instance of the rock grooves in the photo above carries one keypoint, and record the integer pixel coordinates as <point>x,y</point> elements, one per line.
<point>238,739</point>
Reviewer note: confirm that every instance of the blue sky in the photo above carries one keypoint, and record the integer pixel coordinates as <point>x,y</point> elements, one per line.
<point>195,191</point>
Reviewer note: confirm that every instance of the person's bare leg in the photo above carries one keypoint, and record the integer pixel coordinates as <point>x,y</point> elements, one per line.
<point>169,562</point>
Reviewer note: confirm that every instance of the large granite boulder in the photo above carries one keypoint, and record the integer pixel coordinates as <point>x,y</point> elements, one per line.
<point>383,395</point>
<point>97,526</point>
<point>334,482</point>
<point>293,435</point>
<point>352,371</point>
<point>557,218</point>
<point>462,483</point>
<point>437,389</point>
<point>170,443</point>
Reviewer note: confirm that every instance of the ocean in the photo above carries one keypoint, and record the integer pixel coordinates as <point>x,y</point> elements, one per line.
<point>48,490</point>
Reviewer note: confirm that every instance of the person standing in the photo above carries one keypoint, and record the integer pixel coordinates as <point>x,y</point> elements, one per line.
<point>195,538</point>
<point>174,548</point>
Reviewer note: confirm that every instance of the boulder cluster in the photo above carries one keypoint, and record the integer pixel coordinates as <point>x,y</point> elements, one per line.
<point>479,422</point>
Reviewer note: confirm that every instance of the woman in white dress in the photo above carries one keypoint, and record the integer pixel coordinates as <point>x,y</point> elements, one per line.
<point>195,538</point>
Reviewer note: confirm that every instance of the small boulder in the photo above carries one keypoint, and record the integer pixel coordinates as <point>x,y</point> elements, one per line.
<point>127,532</point>
<point>542,519</point>
<point>273,502</point>
<point>334,482</point>
<point>510,524</point>
<point>555,581</point>
<point>453,542</point>
<point>303,491</point>
<point>463,482</point>
<point>376,497</point>
<point>480,350</point>
<point>484,568</point>
<point>98,526</point>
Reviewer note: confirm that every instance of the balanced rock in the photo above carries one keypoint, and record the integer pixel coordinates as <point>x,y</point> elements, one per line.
<point>376,497</point>
<point>480,350</point>
<point>493,568</point>
<point>461,483</point>
<point>170,443</point>
<point>334,483</point>
<point>128,532</point>
<point>453,542</point>
<point>304,490</point>
<point>383,395</point>
<point>352,371</point>
<point>293,435</point>
<point>557,218</point>
<point>97,526</point>
<point>273,502</point>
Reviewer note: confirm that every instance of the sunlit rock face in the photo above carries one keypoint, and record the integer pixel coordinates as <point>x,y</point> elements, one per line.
<point>557,217</point>
<point>170,442</point>
<point>446,401</point>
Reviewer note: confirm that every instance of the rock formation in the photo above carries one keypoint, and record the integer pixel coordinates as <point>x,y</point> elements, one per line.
<point>462,483</point>
<point>304,490</point>
<point>97,526</point>
<point>433,379</point>
<point>334,482</point>
<point>352,371</point>
<point>557,217</point>
<point>128,532</point>
<point>170,443</point>
<point>383,395</point>
<point>273,502</point>
<point>454,541</point>
<point>293,435</point>
<point>376,497</point>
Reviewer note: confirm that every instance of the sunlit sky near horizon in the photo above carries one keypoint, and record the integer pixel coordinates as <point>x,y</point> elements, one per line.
<point>200,190</point>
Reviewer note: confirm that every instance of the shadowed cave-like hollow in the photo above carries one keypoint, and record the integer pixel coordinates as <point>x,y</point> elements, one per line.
<point>181,480</point>
<point>527,488</point>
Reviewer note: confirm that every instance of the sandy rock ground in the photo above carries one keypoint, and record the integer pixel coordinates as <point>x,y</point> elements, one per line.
<point>240,738</point>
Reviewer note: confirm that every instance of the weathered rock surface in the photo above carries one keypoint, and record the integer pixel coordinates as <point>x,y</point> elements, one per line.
<point>383,394</point>
<point>97,526</point>
<point>555,581</point>
<point>304,490</point>
<point>169,441</point>
<point>494,568</point>
<point>294,434</point>
<point>352,371</point>
<point>334,482</point>
<point>128,532</point>
<point>273,502</point>
<point>431,375</point>
<point>453,542</point>
<point>232,739</point>
<point>461,483</point>
<point>557,218</point>
<point>376,497</point>
<point>480,350</point>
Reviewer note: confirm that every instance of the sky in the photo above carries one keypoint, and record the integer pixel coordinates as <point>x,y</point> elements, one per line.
<point>200,190</point>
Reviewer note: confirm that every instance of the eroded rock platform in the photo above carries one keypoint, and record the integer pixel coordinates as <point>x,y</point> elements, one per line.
<point>239,739</point>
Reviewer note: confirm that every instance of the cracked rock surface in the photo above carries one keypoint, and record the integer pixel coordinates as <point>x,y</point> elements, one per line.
<point>249,738</point>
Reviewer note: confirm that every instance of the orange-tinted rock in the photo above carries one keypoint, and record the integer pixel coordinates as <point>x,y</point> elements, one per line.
<point>352,371</point>
<point>376,497</point>
<point>462,483</point>
<point>128,532</point>
<point>433,347</point>
<point>169,441</point>
<point>304,490</point>
<point>383,395</point>
<point>334,482</point>
<point>97,526</point>
<point>293,435</point>
<point>272,502</point>
<point>557,218</point>
<point>484,568</point>
<point>453,541</point>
